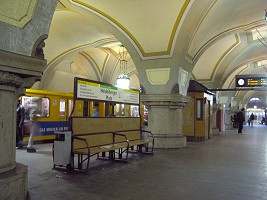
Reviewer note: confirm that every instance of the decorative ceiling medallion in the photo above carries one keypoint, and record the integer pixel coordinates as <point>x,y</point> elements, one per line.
<point>17,12</point>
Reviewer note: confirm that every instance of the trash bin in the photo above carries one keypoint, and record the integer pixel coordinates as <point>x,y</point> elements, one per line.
<point>62,149</point>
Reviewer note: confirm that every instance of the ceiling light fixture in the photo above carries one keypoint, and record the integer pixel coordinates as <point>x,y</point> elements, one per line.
<point>123,81</point>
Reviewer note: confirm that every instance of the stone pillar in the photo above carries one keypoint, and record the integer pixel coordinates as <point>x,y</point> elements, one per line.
<point>227,119</point>
<point>165,119</point>
<point>215,129</point>
<point>13,177</point>
<point>17,72</point>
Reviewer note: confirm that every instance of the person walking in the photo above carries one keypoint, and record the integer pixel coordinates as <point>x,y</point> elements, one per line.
<point>241,119</point>
<point>33,119</point>
<point>251,118</point>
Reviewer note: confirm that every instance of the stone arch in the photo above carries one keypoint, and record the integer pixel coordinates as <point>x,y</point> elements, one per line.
<point>37,50</point>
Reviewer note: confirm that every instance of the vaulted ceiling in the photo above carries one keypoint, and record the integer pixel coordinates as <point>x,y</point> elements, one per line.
<point>214,40</point>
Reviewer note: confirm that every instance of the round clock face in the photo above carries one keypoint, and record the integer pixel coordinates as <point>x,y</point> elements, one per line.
<point>241,82</point>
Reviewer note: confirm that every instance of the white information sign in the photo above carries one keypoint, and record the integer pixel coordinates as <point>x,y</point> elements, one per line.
<point>104,92</point>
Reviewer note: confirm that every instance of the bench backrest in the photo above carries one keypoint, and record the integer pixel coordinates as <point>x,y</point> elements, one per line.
<point>132,134</point>
<point>85,125</point>
<point>97,130</point>
<point>94,140</point>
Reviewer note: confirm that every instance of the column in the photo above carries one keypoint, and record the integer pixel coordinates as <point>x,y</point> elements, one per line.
<point>17,72</point>
<point>13,176</point>
<point>165,119</point>
<point>227,119</point>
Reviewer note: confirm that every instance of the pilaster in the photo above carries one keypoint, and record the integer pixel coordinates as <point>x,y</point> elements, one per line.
<point>215,129</point>
<point>165,119</point>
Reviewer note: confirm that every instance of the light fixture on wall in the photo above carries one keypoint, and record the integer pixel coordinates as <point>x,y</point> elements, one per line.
<point>123,81</point>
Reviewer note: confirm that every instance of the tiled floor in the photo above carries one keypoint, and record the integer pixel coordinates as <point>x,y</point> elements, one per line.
<point>226,167</point>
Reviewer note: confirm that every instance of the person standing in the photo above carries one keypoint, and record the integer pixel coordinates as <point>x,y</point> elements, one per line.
<point>19,125</point>
<point>96,113</point>
<point>251,118</point>
<point>240,119</point>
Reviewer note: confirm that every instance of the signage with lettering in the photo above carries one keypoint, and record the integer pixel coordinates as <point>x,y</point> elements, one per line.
<point>92,90</point>
<point>251,80</point>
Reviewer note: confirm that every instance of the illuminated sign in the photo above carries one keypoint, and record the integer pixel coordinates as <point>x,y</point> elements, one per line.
<point>251,80</point>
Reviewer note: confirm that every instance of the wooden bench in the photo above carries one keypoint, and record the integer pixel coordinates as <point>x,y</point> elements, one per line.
<point>112,136</point>
<point>138,139</point>
<point>90,144</point>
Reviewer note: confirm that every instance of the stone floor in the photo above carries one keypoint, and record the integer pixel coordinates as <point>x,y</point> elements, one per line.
<point>226,167</point>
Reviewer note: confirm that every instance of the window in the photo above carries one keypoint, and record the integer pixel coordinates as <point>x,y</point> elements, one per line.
<point>199,109</point>
<point>134,111</point>
<point>62,108</point>
<point>39,104</point>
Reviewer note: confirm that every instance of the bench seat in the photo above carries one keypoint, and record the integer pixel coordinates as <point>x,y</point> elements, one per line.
<point>136,138</point>
<point>92,144</point>
<point>94,150</point>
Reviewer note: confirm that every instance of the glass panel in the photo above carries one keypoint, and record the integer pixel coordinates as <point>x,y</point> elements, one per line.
<point>45,107</point>
<point>62,107</point>
<point>199,109</point>
<point>120,112</point>
<point>96,109</point>
<point>70,107</point>
<point>40,105</point>
<point>134,111</point>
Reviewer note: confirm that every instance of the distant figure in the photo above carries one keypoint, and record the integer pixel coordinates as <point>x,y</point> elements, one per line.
<point>234,120</point>
<point>33,119</point>
<point>96,113</point>
<point>263,120</point>
<point>240,119</point>
<point>19,125</point>
<point>251,119</point>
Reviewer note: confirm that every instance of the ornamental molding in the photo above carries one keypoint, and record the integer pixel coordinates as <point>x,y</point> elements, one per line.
<point>172,101</point>
<point>10,79</point>
<point>164,97</point>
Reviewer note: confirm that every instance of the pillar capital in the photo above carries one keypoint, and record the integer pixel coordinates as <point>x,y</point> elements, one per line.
<point>10,79</point>
<point>173,101</point>
<point>21,65</point>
